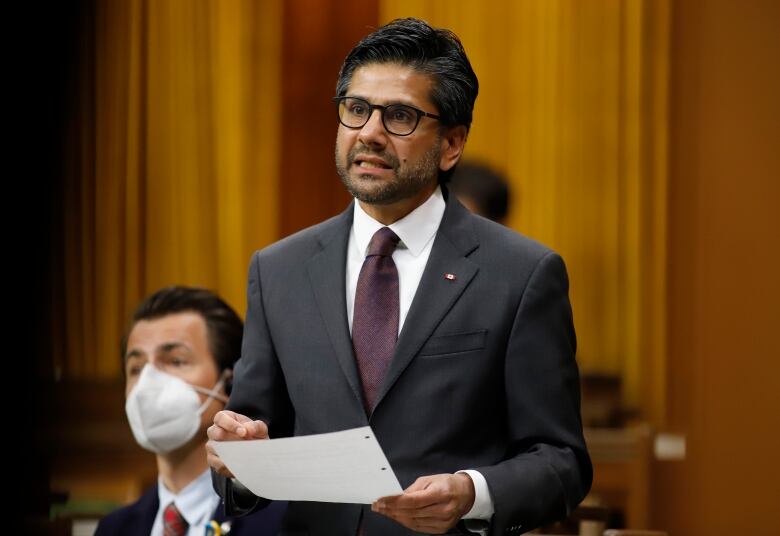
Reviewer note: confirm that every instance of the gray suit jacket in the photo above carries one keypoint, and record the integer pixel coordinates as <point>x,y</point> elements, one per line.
<point>483,376</point>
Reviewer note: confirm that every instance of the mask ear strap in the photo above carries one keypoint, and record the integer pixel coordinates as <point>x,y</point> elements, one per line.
<point>215,391</point>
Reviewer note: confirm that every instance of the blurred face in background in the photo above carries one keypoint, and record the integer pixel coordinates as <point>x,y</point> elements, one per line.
<point>178,345</point>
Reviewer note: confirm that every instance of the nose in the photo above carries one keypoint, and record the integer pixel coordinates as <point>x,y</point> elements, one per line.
<point>373,133</point>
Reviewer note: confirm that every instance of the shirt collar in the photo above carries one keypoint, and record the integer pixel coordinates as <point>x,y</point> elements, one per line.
<point>415,229</point>
<point>191,499</point>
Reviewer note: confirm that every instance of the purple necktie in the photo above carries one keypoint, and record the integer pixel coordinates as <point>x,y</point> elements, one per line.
<point>174,523</point>
<point>375,318</point>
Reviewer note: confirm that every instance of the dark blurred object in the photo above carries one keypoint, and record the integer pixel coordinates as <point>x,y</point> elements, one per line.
<point>629,532</point>
<point>481,190</point>
<point>47,527</point>
<point>43,64</point>
<point>584,521</point>
<point>602,401</point>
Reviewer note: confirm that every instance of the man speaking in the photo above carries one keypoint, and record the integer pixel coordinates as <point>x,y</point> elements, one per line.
<point>450,335</point>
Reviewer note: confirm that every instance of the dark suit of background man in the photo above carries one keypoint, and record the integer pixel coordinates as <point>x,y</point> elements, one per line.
<point>482,377</point>
<point>178,353</point>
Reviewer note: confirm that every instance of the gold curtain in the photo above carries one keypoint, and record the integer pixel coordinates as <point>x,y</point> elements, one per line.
<point>572,108</point>
<point>172,170</point>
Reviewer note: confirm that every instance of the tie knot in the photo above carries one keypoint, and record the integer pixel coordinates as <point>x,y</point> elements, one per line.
<point>383,243</point>
<point>174,523</point>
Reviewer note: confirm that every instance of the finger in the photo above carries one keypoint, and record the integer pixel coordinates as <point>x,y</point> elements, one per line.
<point>252,429</point>
<point>413,500</point>
<point>440,512</point>
<point>215,462</point>
<point>446,512</point>
<point>230,426</point>
<point>437,528</point>
<point>255,430</point>
<point>241,418</point>
<point>217,433</point>
<point>391,501</point>
<point>228,421</point>
<point>428,525</point>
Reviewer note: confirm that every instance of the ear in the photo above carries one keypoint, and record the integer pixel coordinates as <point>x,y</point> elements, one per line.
<point>452,143</point>
<point>227,385</point>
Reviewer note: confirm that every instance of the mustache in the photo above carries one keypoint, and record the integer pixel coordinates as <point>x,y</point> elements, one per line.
<point>353,153</point>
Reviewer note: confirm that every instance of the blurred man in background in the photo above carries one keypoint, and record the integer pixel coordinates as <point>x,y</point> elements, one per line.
<point>178,354</point>
<point>482,190</point>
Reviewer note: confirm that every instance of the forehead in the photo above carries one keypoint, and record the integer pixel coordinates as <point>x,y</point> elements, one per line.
<point>188,328</point>
<point>383,83</point>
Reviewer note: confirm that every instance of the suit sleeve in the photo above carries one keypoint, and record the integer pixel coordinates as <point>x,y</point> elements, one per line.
<point>547,471</point>
<point>259,390</point>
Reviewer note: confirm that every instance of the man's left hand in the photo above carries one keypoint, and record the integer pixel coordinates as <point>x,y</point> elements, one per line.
<point>433,504</point>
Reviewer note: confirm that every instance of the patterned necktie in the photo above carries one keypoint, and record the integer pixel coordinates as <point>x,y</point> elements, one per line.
<point>375,318</point>
<point>174,523</point>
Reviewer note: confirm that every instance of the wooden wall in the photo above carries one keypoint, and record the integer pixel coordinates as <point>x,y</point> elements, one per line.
<point>316,38</point>
<point>724,294</point>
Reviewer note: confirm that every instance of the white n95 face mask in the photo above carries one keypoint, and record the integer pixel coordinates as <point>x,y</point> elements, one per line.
<point>164,411</point>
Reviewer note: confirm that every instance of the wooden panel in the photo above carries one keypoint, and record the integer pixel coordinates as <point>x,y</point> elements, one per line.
<point>97,458</point>
<point>317,36</point>
<point>724,358</point>
<point>621,471</point>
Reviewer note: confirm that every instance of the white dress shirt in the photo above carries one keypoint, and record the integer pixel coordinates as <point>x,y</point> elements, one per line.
<point>196,502</point>
<point>416,231</point>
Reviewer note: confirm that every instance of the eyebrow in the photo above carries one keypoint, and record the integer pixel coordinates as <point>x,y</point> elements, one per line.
<point>133,354</point>
<point>165,347</point>
<point>170,346</point>
<point>389,103</point>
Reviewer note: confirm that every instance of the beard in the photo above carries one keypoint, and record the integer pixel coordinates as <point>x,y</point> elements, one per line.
<point>407,182</point>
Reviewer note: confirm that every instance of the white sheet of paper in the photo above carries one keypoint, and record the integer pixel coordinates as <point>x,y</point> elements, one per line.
<point>339,467</point>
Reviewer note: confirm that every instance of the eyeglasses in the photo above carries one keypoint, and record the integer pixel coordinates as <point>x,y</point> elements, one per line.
<point>398,119</point>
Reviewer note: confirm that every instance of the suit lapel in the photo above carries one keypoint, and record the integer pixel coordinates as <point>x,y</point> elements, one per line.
<point>219,514</point>
<point>147,512</point>
<point>436,293</point>
<point>327,272</point>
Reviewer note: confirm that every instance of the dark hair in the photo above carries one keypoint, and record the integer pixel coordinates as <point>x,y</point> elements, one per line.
<point>224,327</point>
<point>434,51</point>
<point>483,186</point>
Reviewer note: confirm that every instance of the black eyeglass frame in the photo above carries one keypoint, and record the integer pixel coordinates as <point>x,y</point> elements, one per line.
<point>372,107</point>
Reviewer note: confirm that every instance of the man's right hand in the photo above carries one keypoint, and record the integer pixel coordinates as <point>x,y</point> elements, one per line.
<point>231,426</point>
